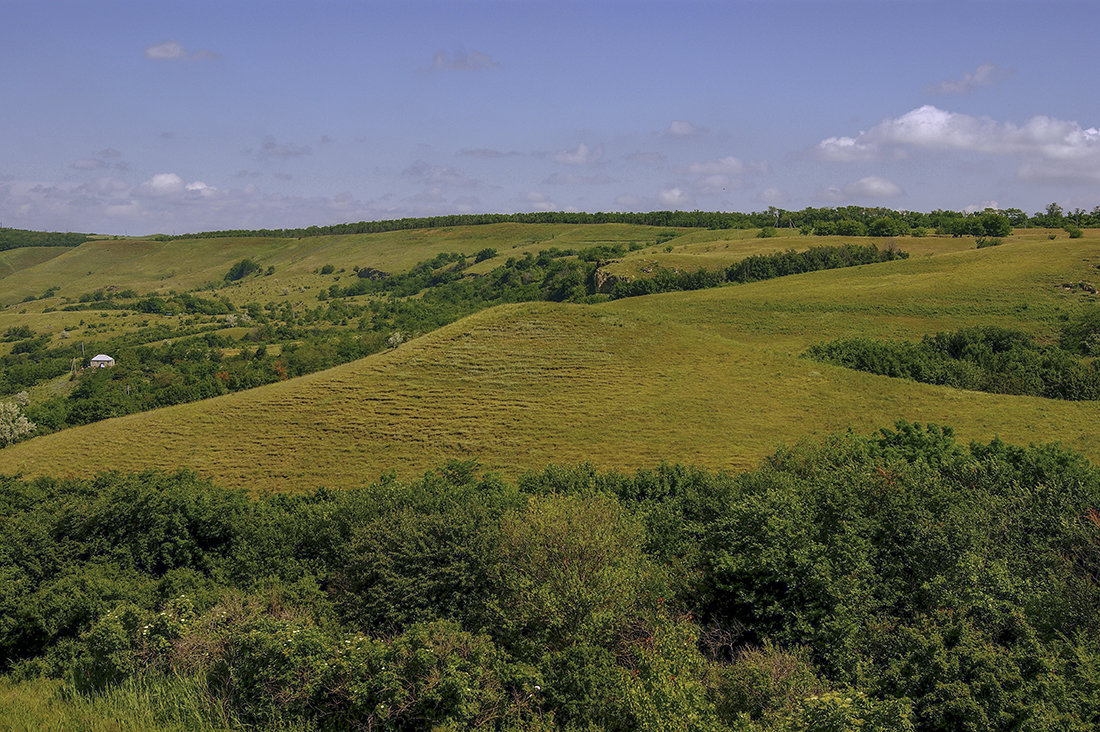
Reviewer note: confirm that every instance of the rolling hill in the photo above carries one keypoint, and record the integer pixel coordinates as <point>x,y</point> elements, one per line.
<point>712,377</point>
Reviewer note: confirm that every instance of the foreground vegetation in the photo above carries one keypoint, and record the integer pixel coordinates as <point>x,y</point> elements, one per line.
<point>896,581</point>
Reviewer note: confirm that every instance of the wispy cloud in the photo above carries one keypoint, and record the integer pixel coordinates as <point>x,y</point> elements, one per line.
<point>984,75</point>
<point>583,155</point>
<point>439,175</point>
<point>572,179</point>
<point>539,201</point>
<point>724,166</point>
<point>460,61</point>
<point>773,197</point>
<point>271,149</point>
<point>486,153</point>
<point>645,158</point>
<point>175,51</point>
<point>100,161</point>
<point>871,187</point>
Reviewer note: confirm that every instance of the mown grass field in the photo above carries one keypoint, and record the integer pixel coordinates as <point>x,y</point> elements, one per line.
<point>711,377</point>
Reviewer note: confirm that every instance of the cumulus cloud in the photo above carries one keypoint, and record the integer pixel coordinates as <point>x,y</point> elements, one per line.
<point>461,61</point>
<point>270,149</point>
<point>583,155</point>
<point>1047,148</point>
<point>683,128</point>
<point>161,184</point>
<point>675,198</point>
<point>175,51</point>
<point>984,75</point>
<point>845,150</point>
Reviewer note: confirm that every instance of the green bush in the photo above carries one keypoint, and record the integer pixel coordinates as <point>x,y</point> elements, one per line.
<point>241,269</point>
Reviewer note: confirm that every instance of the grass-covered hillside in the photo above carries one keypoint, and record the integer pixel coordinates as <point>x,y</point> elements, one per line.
<point>714,377</point>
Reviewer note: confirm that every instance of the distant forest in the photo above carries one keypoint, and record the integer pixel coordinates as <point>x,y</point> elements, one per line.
<point>841,221</point>
<point>16,238</point>
<point>844,221</point>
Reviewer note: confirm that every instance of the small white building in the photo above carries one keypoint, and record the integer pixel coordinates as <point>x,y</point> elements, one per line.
<point>102,361</point>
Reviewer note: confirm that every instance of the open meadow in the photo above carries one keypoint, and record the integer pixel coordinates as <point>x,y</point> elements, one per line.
<point>712,377</point>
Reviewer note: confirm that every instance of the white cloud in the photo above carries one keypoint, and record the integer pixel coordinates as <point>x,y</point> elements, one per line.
<point>984,75</point>
<point>675,198</point>
<point>845,150</point>
<point>715,184</point>
<point>773,197</point>
<point>166,185</point>
<point>167,203</point>
<point>161,184</point>
<point>174,51</point>
<point>583,155</point>
<point>725,166</point>
<point>975,207</point>
<point>539,201</point>
<point>461,61</point>
<point>683,128</point>
<point>1048,148</point>
<point>872,187</point>
<point>719,166</point>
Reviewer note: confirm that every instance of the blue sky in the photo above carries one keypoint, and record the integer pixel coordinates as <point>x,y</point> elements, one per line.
<point>142,117</point>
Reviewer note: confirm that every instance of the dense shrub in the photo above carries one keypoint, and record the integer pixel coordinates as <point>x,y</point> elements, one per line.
<point>983,358</point>
<point>241,269</point>
<point>889,582</point>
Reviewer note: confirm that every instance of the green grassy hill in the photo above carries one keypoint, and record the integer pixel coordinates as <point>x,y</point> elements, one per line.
<point>711,377</point>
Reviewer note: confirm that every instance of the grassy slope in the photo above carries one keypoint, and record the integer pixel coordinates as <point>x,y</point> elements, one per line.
<point>150,266</point>
<point>709,377</point>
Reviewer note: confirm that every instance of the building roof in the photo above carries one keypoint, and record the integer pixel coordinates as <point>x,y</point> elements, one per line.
<point>102,357</point>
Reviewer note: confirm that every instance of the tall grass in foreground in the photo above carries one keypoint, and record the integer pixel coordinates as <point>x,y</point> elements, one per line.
<point>157,703</point>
